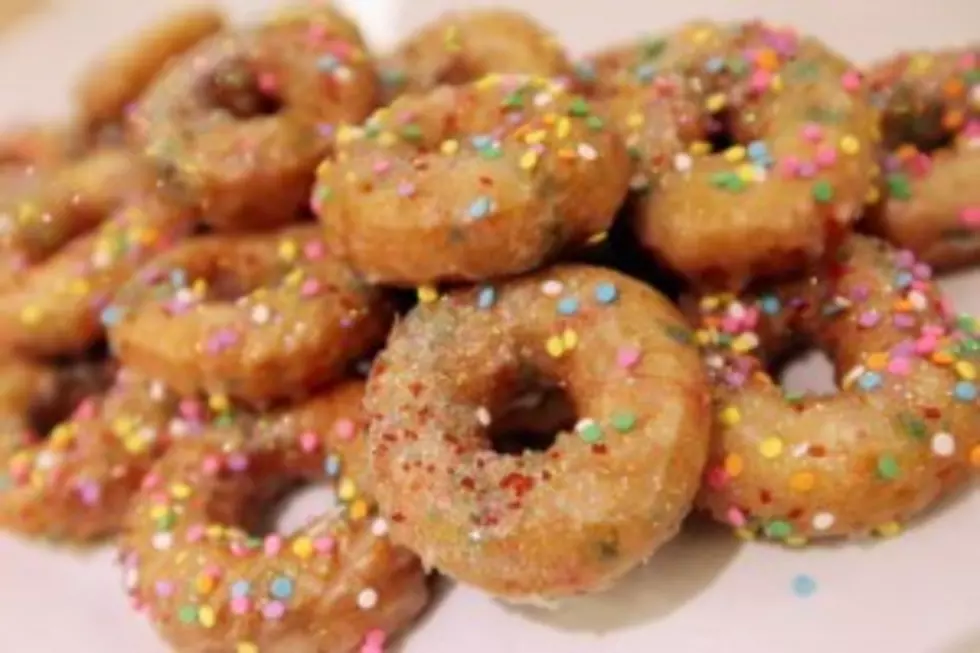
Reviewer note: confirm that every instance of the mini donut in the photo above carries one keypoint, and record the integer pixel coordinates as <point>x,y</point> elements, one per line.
<point>539,525</point>
<point>243,119</point>
<point>119,77</point>
<point>742,133</point>
<point>251,316</point>
<point>193,566</point>
<point>462,47</point>
<point>38,146</point>
<point>470,182</point>
<point>901,432</point>
<point>74,484</point>
<point>69,246</point>
<point>931,137</point>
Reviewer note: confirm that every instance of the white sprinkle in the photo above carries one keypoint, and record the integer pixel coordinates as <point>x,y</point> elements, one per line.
<point>918,300</point>
<point>379,527</point>
<point>552,288</point>
<point>542,99</point>
<point>367,599</point>
<point>587,152</point>
<point>853,375</point>
<point>583,424</point>
<point>800,450</point>
<point>261,314</point>
<point>683,162</point>
<point>158,391</point>
<point>476,536</point>
<point>162,541</point>
<point>943,444</point>
<point>483,416</point>
<point>823,520</point>
<point>46,460</point>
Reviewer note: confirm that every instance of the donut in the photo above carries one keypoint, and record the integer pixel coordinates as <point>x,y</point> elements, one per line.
<point>470,182</point>
<point>462,47</point>
<point>38,146</point>
<point>194,567</point>
<point>742,133</point>
<point>901,432</point>
<point>74,484</point>
<point>69,246</point>
<point>930,125</point>
<point>243,119</point>
<point>255,317</point>
<point>615,484</point>
<point>116,79</point>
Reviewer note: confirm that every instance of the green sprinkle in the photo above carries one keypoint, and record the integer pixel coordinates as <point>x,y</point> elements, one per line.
<point>514,100</point>
<point>654,47</point>
<point>822,191</point>
<point>371,130</point>
<point>595,123</point>
<point>579,107</point>
<point>624,421</point>
<point>778,529</point>
<point>913,425</point>
<point>888,467</point>
<point>737,66</point>
<point>166,521</point>
<point>187,614</point>
<point>412,132</point>
<point>898,186</point>
<point>589,431</point>
<point>728,181</point>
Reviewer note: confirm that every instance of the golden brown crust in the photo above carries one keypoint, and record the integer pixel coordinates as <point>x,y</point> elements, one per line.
<point>470,182</point>
<point>254,317</point>
<point>599,501</point>
<point>462,47</point>
<point>244,117</point>
<point>39,146</point>
<point>930,104</point>
<point>793,127</point>
<point>208,585</point>
<point>120,76</point>
<point>901,432</point>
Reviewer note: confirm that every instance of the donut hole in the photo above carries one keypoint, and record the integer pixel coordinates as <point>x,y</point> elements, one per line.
<point>230,281</point>
<point>531,421</point>
<point>920,126</point>
<point>291,508</point>
<point>802,370</point>
<point>73,384</point>
<point>721,131</point>
<point>235,86</point>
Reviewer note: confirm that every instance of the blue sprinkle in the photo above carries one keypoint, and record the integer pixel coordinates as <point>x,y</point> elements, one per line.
<point>965,391</point>
<point>480,207</point>
<point>111,315</point>
<point>804,586</point>
<point>486,296</point>
<point>331,465</point>
<point>281,587</point>
<point>606,293</point>
<point>178,278</point>
<point>327,63</point>
<point>481,142</point>
<point>770,305</point>
<point>240,589</point>
<point>869,381</point>
<point>903,279</point>
<point>585,71</point>
<point>714,65</point>
<point>568,306</point>
<point>759,153</point>
<point>646,72</point>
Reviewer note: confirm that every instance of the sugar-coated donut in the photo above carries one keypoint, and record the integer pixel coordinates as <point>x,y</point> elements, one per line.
<point>463,46</point>
<point>604,496</point>
<point>255,317</point>
<point>70,241</point>
<point>930,123</point>
<point>244,117</point>
<point>903,430</point>
<point>470,182</point>
<point>113,81</point>
<point>207,584</point>
<point>742,133</point>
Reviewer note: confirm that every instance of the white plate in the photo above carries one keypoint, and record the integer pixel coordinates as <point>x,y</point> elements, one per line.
<point>706,593</point>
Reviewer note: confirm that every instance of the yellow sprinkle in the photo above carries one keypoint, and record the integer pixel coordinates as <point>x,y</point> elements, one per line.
<point>744,534</point>
<point>449,146</point>
<point>771,447</point>
<point>715,103</point>
<point>358,510</point>
<point>730,416</point>
<point>889,529</point>
<point>218,403</point>
<point>31,315</point>
<point>427,294</point>
<point>246,647</point>
<point>734,464</point>
<point>134,444</point>
<point>634,120</point>
<point>180,491</point>
<point>802,481</point>
<point>488,81</point>
<point>702,35</point>
<point>79,287</point>
<point>158,512</point>
<point>61,437</point>
<point>734,154</point>
<point>387,139</point>
<point>528,160</point>
<point>451,39</point>
<point>554,346</point>
<point>795,541</point>
<point>745,342</point>
<point>710,302</point>
<point>704,336</point>
<point>966,370</point>
<point>346,490</point>
<point>303,547</point>
<point>214,531</point>
<point>776,83</point>
<point>206,616</point>
<point>563,128</point>
<point>850,145</point>
<point>294,278</point>
<point>536,137</point>
<point>199,287</point>
<point>872,196</point>
<point>569,339</point>
<point>204,584</point>
<point>699,148</point>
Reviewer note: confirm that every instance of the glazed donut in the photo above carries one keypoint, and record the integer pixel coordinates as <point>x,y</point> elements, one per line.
<point>931,132</point>
<point>74,485</point>
<point>192,565</point>
<point>71,244</point>
<point>255,317</point>
<point>112,82</point>
<point>901,432</point>
<point>462,47</point>
<point>740,133</point>
<point>470,182</point>
<point>245,117</point>
<point>609,491</point>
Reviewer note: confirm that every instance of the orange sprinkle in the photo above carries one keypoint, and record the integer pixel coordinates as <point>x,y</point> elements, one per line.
<point>953,119</point>
<point>953,88</point>
<point>877,360</point>
<point>802,481</point>
<point>767,59</point>
<point>942,358</point>
<point>734,464</point>
<point>975,456</point>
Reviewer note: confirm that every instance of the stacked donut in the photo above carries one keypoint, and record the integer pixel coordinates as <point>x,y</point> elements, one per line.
<point>239,210</point>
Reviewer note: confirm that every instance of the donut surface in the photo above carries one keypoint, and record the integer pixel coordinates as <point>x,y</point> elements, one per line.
<point>470,182</point>
<point>207,584</point>
<point>742,133</point>
<point>255,317</point>
<point>245,117</point>
<point>901,432</point>
<point>120,76</point>
<point>930,124</point>
<point>462,47</point>
<point>607,493</point>
<point>71,241</point>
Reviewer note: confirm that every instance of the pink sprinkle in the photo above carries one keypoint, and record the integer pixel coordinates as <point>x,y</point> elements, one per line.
<point>851,80</point>
<point>268,83</point>
<point>790,166</point>
<point>211,465</point>
<point>716,478</point>
<point>868,319</point>
<point>826,156</point>
<point>240,605</point>
<point>239,550</point>
<point>905,258</point>
<point>237,462</point>
<point>374,642</point>
<point>89,493</point>
<point>812,132</point>
<point>731,324</point>
<point>308,441</point>
<point>195,534</point>
<point>151,480</point>
<point>191,409</point>
<point>345,428</point>
<point>970,216</point>
<point>760,80</point>
<point>406,188</point>
<point>85,410</point>
<point>274,610</point>
<point>735,517</point>
<point>309,288</point>
<point>272,545</point>
<point>324,545</point>
<point>925,345</point>
<point>164,588</point>
<point>627,357</point>
<point>314,250</point>
<point>381,166</point>
<point>900,366</point>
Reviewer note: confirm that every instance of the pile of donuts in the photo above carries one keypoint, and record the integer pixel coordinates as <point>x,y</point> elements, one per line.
<point>522,314</point>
